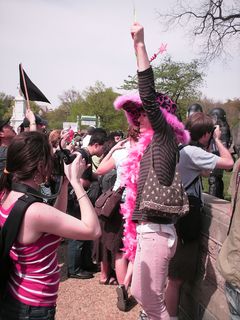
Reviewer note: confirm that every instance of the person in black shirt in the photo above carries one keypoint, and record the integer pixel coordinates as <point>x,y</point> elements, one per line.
<point>80,252</point>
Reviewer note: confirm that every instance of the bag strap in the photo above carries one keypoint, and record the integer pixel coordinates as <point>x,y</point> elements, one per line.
<point>180,147</point>
<point>234,200</point>
<point>12,224</point>
<point>85,154</point>
<point>21,187</point>
<point>191,183</point>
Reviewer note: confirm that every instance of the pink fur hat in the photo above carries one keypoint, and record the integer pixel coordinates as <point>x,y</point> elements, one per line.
<point>132,106</point>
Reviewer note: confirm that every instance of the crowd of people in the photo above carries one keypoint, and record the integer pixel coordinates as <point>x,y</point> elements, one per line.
<point>142,248</point>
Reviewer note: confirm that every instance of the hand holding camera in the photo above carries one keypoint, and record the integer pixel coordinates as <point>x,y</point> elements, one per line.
<point>75,169</point>
<point>217,132</point>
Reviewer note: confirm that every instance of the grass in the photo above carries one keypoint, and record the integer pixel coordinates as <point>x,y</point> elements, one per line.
<point>226,181</point>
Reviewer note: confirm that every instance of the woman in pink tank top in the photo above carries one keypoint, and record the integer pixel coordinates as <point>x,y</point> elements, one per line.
<point>34,279</point>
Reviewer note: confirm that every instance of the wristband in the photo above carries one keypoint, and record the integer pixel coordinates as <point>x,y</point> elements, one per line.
<point>82,196</point>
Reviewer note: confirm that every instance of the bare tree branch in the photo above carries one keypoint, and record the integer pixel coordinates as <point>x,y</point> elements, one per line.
<point>214,22</point>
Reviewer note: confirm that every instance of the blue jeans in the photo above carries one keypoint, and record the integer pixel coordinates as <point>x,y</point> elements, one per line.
<point>233,300</point>
<point>79,255</point>
<point>12,309</point>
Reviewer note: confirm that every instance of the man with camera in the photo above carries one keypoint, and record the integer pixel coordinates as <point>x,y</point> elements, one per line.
<point>194,162</point>
<point>80,262</point>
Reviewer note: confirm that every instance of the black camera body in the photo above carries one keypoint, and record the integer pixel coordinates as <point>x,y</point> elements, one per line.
<point>60,157</point>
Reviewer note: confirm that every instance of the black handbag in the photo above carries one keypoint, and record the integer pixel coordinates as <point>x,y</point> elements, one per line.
<point>164,201</point>
<point>108,202</point>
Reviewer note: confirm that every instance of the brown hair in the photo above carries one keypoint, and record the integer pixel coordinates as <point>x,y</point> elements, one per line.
<point>133,132</point>
<point>199,124</point>
<point>54,137</point>
<point>23,156</point>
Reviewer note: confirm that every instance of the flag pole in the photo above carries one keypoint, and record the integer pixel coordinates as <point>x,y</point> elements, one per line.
<point>134,12</point>
<point>25,87</point>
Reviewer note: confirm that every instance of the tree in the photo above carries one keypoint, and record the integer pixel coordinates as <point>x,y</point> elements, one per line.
<point>214,22</point>
<point>6,104</point>
<point>56,117</point>
<point>179,80</point>
<point>99,101</point>
<point>68,99</point>
<point>94,101</point>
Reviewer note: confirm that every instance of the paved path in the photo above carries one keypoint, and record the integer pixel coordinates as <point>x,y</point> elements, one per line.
<point>87,299</point>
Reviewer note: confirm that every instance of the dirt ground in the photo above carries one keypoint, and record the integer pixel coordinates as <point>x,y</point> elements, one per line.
<point>87,299</point>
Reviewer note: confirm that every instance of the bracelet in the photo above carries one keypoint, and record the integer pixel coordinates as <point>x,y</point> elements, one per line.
<point>33,124</point>
<point>82,196</point>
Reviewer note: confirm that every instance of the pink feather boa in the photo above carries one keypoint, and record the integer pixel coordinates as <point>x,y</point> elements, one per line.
<point>130,173</point>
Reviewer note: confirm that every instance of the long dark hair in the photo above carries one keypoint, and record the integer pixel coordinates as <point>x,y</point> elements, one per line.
<point>133,132</point>
<point>23,156</point>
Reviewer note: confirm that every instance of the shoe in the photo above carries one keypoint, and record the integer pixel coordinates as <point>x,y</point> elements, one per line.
<point>81,275</point>
<point>94,268</point>
<point>142,315</point>
<point>111,281</point>
<point>122,298</point>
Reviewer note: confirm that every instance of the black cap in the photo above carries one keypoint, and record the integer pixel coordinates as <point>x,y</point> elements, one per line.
<point>4,122</point>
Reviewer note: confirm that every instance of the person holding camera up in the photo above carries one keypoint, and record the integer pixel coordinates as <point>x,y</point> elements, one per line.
<point>80,264</point>
<point>194,161</point>
<point>34,280</point>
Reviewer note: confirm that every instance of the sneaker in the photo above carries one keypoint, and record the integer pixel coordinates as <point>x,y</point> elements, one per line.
<point>142,315</point>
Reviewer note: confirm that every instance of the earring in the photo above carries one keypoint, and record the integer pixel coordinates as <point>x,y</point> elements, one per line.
<point>37,179</point>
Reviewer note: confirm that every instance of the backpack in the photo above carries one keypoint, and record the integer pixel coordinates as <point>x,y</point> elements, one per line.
<point>8,235</point>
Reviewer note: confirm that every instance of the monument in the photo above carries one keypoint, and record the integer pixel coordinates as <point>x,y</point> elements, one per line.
<point>19,110</point>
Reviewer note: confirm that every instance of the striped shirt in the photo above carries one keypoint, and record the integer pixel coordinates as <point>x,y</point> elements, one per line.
<point>164,144</point>
<point>35,276</point>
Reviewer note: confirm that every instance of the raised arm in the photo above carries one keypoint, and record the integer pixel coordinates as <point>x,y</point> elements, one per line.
<point>225,160</point>
<point>137,33</point>
<point>108,163</point>
<point>146,83</point>
<point>42,218</point>
<point>32,120</point>
<point>88,214</point>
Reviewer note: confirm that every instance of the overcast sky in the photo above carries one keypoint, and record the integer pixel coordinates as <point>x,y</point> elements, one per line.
<point>71,44</point>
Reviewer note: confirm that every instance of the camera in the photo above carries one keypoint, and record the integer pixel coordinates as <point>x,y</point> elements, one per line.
<point>60,157</point>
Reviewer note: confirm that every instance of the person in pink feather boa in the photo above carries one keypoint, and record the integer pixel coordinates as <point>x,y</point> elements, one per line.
<point>149,241</point>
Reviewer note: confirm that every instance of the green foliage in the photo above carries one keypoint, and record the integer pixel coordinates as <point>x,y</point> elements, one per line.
<point>100,103</point>
<point>6,103</point>
<point>56,117</point>
<point>94,101</point>
<point>226,182</point>
<point>35,107</point>
<point>179,80</point>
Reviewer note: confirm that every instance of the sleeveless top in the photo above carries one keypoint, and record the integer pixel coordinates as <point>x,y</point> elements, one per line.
<point>34,279</point>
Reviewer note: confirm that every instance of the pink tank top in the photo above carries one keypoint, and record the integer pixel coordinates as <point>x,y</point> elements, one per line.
<point>35,277</point>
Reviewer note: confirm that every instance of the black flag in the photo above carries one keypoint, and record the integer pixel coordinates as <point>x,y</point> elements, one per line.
<point>34,94</point>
